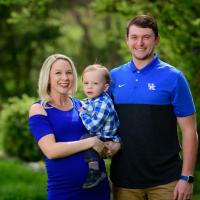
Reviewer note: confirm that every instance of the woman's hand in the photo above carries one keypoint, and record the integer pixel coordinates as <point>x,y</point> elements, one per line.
<point>98,145</point>
<point>112,148</point>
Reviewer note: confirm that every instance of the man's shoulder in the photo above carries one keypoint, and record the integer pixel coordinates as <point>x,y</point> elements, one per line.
<point>120,68</point>
<point>168,67</point>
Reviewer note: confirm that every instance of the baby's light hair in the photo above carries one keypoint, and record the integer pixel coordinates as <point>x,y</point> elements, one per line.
<point>96,67</point>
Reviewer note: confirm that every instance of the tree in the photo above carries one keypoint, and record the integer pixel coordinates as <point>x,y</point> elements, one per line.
<point>25,29</point>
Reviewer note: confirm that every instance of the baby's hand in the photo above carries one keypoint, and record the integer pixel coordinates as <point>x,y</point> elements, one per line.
<point>81,110</point>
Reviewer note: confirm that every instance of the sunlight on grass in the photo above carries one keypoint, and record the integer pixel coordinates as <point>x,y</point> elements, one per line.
<point>18,181</point>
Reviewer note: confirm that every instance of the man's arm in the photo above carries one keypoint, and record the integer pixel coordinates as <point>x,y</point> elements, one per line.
<point>188,127</point>
<point>189,143</point>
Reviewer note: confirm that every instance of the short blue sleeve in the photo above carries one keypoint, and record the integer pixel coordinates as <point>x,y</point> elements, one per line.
<point>77,103</point>
<point>182,98</point>
<point>39,126</point>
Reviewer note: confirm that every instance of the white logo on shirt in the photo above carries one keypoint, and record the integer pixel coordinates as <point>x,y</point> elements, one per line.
<point>121,85</point>
<point>151,86</point>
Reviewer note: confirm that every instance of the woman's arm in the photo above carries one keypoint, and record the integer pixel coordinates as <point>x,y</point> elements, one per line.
<point>53,149</point>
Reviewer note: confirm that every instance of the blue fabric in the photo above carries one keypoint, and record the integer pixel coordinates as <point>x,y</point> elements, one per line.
<point>66,175</point>
<point>100,118</point>
<point>148,102</point>
<point>158,83</point>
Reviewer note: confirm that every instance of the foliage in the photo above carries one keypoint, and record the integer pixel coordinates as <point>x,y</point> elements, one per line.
<point>79,93</point>
<point>178,23</point>
<point>25,29</point>
<point>91,32</point>
<point>20,182</point>
<point>17,139</point>
<point>196,195</point>
<point>32,184</point>
<point>87,31</point>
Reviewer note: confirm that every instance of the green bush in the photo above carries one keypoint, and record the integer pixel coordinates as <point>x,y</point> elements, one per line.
<point>17,140</point>
<point>79,94</point>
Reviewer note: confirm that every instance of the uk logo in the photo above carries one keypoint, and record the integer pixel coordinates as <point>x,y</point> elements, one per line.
<point>151,86</point>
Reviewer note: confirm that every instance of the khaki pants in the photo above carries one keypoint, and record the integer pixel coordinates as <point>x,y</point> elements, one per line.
<point>161,192</point>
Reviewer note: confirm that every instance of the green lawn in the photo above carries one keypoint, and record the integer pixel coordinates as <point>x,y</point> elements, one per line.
<point>18,181</point>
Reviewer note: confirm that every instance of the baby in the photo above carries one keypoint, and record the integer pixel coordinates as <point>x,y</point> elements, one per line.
<point>98,116</point>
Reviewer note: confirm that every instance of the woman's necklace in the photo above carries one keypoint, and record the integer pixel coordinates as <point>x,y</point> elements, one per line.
<point>65,106</point>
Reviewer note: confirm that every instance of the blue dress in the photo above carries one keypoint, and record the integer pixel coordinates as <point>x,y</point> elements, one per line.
<point>66,175</point>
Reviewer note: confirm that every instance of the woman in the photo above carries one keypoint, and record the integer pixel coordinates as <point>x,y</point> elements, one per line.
<point>55,124</point>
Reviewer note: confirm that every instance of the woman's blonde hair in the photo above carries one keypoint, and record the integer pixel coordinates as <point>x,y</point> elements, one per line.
<point>43,82</point>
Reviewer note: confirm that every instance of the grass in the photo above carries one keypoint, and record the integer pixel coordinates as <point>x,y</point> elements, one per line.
<point>21,182</point>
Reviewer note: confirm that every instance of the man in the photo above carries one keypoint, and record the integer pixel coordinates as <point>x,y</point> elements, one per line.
<point>151,96</point>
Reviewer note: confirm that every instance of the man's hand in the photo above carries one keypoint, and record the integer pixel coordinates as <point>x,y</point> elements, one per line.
<point>112,148</point>
<point>183,190</point>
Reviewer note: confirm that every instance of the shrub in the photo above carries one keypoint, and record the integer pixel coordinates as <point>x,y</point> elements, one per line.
<point>17,140</point>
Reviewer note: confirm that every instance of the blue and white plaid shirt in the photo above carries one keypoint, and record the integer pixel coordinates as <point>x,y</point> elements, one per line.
<point>100,118</point>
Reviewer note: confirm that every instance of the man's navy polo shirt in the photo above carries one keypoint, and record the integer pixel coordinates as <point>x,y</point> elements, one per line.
<point>148,102</point>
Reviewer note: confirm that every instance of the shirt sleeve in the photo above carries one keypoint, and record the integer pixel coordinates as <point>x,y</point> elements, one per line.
<point>39,126</point>
<point>93,119</point>
<point>111,86</point>
<point>182,98</point>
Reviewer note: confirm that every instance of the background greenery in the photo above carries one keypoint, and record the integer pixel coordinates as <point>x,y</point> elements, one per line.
<point>20,182</point>
<point>89,31</point>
